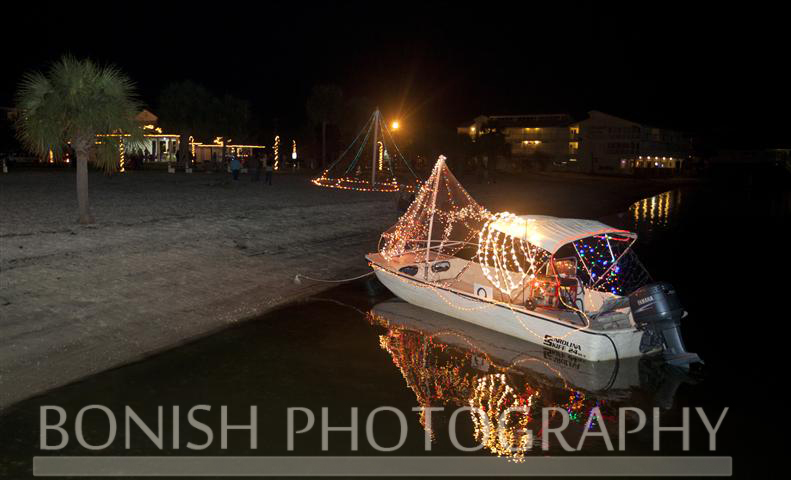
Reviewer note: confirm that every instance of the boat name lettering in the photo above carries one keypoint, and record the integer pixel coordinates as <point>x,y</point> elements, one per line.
<point>562,344</point>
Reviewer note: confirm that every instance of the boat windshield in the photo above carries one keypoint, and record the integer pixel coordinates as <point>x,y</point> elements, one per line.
<point>607,263</point>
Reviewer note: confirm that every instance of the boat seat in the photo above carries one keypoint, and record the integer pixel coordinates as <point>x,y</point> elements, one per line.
<point>611,304</point>
<point>612,320</point>
<point>610,316</point>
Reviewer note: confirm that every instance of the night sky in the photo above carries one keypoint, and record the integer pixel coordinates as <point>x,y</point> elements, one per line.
<point>709,70</point>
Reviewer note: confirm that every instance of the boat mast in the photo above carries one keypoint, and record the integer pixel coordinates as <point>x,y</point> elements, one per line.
<point>440,164</point>
<point>373,150</point>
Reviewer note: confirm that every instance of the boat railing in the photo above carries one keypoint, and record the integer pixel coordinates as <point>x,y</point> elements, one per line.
<point>441,243</point>
<point>436,245</point>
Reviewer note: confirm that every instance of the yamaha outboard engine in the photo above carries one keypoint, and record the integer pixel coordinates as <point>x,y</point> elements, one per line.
<point>657,311</point>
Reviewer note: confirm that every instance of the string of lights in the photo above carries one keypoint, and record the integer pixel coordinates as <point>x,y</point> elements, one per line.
<point>122,155</point>
<point>276,151</point>
<point>507,261</point>
<point>349,173</point>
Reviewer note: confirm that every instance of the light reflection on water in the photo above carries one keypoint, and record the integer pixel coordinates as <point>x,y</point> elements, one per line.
<point>656,210</point>
<point>449,363</point>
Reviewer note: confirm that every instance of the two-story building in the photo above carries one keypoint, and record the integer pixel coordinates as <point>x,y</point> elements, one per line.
<point>537,140</point>
<point>595,142</point>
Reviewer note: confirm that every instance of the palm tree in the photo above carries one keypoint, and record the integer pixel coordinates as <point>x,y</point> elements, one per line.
<point>324,107</point>
<point>73,102</point>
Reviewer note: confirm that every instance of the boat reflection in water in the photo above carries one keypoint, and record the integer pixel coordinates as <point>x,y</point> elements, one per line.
<point>450,363</point>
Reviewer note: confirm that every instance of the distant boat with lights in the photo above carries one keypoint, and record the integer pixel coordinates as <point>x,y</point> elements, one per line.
<point>387,171</point>
<point>571,285</point>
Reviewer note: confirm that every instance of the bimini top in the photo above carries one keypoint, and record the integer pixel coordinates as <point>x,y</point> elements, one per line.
<point>551,233</point>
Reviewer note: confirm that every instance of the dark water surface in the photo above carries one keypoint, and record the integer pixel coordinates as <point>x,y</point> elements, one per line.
<point>720,246</point>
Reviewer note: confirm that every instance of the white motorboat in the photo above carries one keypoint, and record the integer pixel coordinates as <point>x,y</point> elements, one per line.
<point>571,285</point>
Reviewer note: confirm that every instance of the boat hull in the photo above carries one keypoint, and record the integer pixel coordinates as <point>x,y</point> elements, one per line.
<point>557,335</point>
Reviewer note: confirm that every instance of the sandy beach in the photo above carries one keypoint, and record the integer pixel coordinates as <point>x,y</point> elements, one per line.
<point>174,257</point>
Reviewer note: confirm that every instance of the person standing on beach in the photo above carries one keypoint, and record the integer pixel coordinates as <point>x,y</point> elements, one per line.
<point>254,166</point>
<point>269,169</point>
<point>235,167</point>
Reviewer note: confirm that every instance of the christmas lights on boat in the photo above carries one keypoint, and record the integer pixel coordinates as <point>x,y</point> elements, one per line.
<point>571,285</point>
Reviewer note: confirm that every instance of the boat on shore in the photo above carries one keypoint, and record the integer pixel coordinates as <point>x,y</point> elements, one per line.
<point>571,285</point>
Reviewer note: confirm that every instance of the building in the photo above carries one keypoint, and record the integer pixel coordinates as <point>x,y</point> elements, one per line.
<point>539,140</point>
<point>595,142</point>
<point>156,147</point>
<point>214,152</point>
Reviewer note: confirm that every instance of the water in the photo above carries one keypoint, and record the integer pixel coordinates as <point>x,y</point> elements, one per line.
<point>719,246</point>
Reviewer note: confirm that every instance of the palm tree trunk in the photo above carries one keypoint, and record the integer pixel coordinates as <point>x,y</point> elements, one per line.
<point>82,186</point>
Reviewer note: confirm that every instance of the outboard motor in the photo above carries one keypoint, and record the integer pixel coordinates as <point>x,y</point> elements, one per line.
<point>657,311</point>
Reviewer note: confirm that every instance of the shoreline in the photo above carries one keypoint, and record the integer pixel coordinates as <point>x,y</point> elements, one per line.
<point>188,256</point>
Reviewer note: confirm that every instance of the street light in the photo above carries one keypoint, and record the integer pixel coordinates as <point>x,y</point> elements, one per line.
<point>394,125</point>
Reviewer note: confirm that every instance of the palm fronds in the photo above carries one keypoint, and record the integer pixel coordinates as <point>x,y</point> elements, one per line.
<point>73,102</point>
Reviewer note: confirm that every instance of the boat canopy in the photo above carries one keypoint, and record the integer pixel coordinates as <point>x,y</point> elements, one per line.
<point>551,233</point>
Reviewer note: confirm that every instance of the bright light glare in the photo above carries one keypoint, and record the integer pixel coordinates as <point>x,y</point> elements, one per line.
<point>395,125</point>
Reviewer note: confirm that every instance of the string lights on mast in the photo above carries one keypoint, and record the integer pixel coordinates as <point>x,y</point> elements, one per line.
<point>387,171</point>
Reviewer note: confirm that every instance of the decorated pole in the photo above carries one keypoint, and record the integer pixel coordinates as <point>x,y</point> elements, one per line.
<point>437,172</point>
<point>373,151</point>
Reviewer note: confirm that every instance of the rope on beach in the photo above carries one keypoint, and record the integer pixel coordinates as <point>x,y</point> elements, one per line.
<point>343,280</point>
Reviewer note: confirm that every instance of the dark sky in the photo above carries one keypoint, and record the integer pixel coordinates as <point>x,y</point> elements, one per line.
<point>710,69</point>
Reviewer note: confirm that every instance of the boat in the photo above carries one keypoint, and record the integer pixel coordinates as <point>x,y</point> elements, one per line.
<point>571,285</point>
